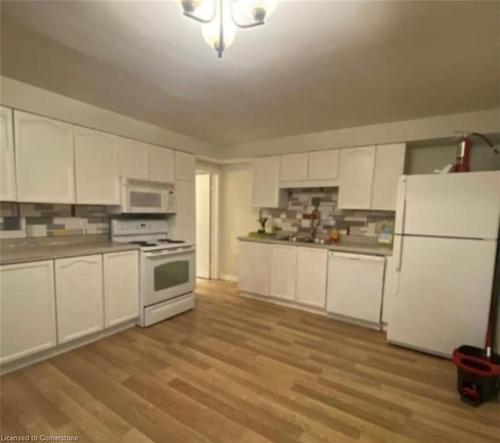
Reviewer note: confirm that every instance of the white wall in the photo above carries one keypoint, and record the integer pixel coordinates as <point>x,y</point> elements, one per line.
<point>431,128</point>
<point>29,98</point>
<point>424,159</point>
<point>238,218</point>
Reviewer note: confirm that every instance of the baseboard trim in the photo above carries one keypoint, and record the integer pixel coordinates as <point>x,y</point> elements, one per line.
<point>64,347</point>
<point>229,277</point>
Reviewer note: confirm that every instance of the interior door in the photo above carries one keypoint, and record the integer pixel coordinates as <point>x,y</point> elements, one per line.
<point>202,219</point>
<point>453,205</point>
<point>444,294</point>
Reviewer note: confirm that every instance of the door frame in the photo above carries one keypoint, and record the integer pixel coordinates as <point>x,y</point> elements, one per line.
<point>214,174</point>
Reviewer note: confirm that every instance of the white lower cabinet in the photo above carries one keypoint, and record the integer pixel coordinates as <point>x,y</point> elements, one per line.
<point>355,284</point>
<point>254,267</point>
<point>27,309</point>
<point>121,287</point>
<point>79,295</point>
<point>283,271</point>
<point>311,276</point>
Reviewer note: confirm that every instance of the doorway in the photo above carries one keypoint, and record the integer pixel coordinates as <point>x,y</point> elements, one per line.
<point>203,225</point>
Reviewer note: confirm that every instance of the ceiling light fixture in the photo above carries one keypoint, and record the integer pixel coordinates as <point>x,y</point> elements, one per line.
<point>219,18</point>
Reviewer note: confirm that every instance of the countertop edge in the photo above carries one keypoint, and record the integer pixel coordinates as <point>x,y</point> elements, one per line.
<point>45,253</point>
<point>377,250</point>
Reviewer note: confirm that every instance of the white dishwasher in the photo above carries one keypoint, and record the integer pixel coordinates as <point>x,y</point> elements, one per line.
<point>355,287</point>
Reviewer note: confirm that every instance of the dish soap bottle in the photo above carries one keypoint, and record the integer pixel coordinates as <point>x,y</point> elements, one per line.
<point>270,226</point>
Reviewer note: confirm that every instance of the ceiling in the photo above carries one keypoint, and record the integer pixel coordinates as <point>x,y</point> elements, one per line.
<point>316,65</point>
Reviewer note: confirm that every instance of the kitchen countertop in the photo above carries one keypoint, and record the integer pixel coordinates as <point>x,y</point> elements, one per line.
<point>30,250</point>
<point>355,248</point>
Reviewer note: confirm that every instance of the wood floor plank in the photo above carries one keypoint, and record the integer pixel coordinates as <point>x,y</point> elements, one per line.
<point>242,370</point>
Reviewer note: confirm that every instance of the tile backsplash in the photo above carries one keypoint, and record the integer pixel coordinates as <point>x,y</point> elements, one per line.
<point>355,223</point>
<point>52,220</point>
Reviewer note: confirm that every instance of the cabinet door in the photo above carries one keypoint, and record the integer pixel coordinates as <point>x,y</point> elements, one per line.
<point>161,164</point>
<point>79,294</point>
<point>311,276</point>
<point>185,165</point>
<point>283,271</point>
<point>44,159</point>
<point>294,167</point>
<point>132,159</point>
<point>8,176</point>
<point>96,164</point>
<point>389,165</point>
<point>356,177</point>
<point>121,287</point>
<point>254,265</point>
<point>265,183</point>
<point>323,165</point>
<point>27,309</point>
<point>355,285</point>
<point>182,225</point>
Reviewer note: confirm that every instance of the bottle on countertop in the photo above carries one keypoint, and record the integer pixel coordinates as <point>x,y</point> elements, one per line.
<point>270,226</point>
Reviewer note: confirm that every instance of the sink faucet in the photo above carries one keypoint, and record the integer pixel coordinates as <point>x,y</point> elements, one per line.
<point>315,218</point>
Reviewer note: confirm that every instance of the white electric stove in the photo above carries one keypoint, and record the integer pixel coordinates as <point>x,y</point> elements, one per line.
<point>167,268</point>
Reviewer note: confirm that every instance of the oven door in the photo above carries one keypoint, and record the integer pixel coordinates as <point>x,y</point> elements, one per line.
<point>168,274</point>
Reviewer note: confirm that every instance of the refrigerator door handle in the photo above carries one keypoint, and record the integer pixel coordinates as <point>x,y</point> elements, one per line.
<point>401,206</point>
<point>398,252</point>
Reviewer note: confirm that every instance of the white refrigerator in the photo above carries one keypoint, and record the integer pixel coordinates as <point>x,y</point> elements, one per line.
<point>444,256</point>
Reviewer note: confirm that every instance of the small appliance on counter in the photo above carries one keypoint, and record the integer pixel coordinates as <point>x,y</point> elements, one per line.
<point>167,268</point>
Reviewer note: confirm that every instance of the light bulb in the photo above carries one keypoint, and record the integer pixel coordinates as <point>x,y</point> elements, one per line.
<point>262,9</point>
<point>211,31</point>
<point>189,5</point>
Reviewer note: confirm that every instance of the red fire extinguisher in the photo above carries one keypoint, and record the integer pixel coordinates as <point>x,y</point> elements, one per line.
<point>465,144</point>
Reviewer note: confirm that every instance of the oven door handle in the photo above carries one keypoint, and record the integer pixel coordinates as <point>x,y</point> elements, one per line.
<point>169,253</point>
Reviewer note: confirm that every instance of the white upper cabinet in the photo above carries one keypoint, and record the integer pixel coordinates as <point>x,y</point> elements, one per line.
<point>8,176</point>
<point>79,295</point>
<point>161,164</point>
<point>132,159</point>
<point>183,225</point>
<point>294,167</point>
<point>185,165</point>
<point>389,165</point>
<point>96,165</point>
<point>27,307</point>
<point>44,159</point>
<point>323,165</point>
<point>121,287</point>
<point>284,271</point>
<point>311,276</point>
<point>356,177</point>
<point>265,183</point>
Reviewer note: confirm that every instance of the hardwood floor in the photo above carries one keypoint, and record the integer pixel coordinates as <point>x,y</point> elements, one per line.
<point>240,370</point>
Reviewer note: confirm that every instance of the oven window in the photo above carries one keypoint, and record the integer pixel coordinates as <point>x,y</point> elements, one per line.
<point>171,274</point>
<point>145,199</point>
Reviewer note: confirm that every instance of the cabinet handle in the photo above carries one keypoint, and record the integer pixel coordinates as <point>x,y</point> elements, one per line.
<point>90,262</point>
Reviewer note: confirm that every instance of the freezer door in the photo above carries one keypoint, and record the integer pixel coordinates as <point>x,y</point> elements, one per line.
<point>451,205</point>
<point>444,293</point>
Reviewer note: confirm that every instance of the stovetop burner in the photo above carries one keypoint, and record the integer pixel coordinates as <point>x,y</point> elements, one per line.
<point>142,243</point>
<point>168,240</point>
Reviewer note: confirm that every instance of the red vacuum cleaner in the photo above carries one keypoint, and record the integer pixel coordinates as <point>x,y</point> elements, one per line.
<point>465,144</point>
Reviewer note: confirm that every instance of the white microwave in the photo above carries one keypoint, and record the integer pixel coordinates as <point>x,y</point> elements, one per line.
<point>145,197</point>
